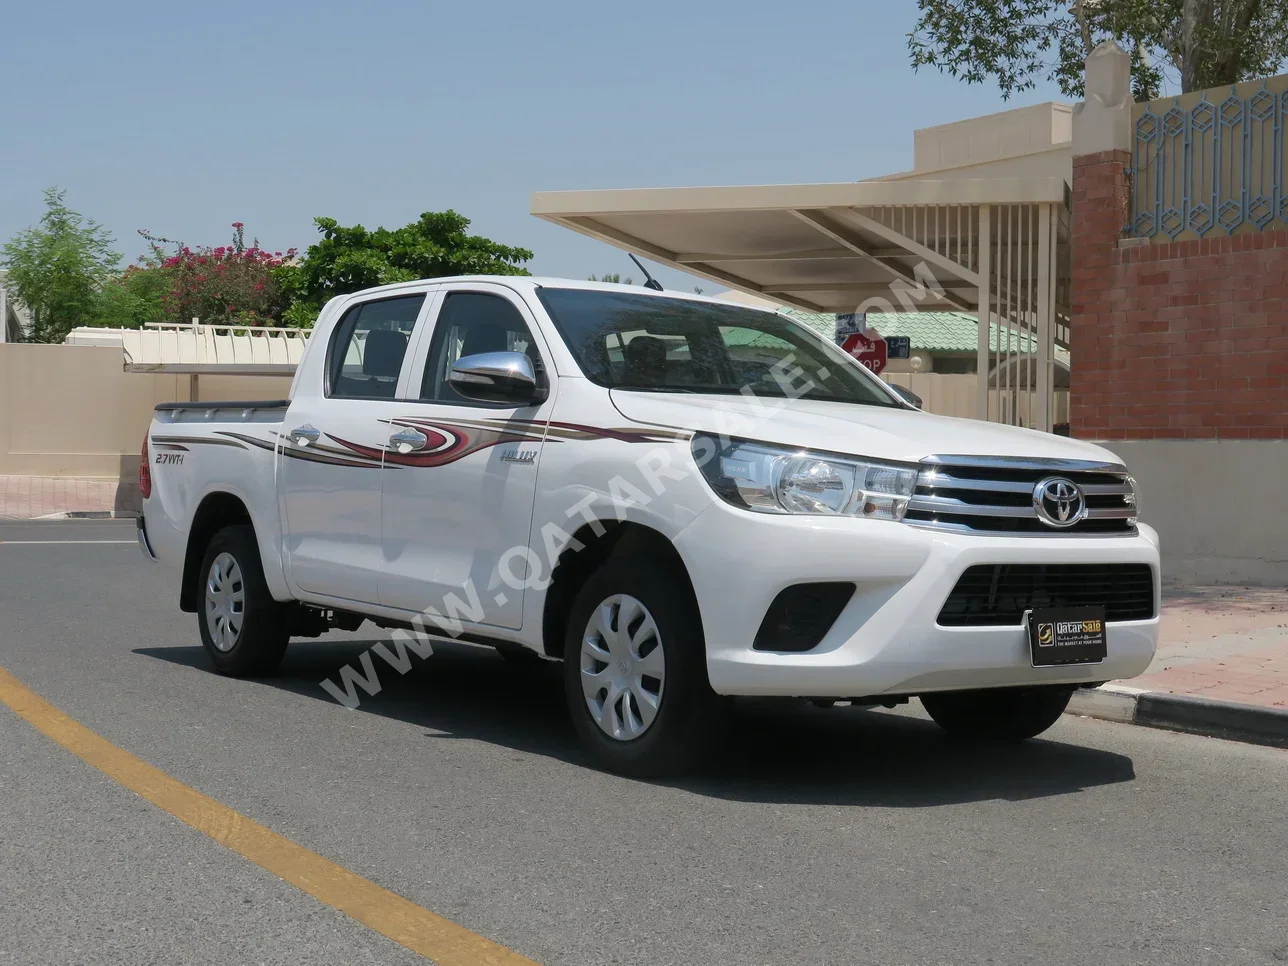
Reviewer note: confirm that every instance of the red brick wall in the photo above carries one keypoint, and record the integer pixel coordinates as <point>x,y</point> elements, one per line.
<point>1185,340</point>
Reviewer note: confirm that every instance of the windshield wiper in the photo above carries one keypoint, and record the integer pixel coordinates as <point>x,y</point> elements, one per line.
<point>815,397</point>
<point>739,391</point>
<point>671,389</point>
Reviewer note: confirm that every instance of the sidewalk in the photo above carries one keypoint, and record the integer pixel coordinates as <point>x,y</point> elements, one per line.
<point>30,497</point>
<point>1221,669</point>
<point>1224,643</point>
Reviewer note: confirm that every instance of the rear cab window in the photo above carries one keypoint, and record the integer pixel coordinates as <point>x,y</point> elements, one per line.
<point>368,347</point>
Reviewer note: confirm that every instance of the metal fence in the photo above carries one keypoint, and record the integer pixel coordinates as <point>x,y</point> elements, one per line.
<point>1024,269</point>
<point>1210,162</point>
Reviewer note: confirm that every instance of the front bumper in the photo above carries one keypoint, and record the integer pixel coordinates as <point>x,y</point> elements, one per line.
<point>886,640</point>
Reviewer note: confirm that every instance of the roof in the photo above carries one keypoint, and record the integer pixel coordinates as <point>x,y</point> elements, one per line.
<point>530,282</point>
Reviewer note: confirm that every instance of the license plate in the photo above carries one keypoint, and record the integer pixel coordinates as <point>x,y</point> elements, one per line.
<point>1067,635</point>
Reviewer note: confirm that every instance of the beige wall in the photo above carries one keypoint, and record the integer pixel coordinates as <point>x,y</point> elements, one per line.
<point>940,394</point>
<point>958,395</point>
<point>1056,163</point>
<point>993,137</point>
<point>71,410</point>
<point>1028,142</point>
<point>1216,505</point>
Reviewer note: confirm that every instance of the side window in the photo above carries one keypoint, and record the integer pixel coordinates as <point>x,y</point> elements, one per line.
<point>368,346</point>
<point>470,323</point>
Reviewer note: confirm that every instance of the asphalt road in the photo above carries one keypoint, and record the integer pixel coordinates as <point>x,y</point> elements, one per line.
<point>836,836</point>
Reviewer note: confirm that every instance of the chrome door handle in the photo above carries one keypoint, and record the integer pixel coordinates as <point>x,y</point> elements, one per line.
<point>303,435</point>
<point>408,439</point>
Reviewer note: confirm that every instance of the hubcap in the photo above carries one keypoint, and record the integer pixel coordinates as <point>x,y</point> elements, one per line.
<point>225,601</point>
<point>623,667</point>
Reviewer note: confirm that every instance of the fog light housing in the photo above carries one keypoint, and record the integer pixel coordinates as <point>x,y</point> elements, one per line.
<point>801,615</point>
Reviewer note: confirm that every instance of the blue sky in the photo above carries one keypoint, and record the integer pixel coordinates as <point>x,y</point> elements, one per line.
<point>183,117</point>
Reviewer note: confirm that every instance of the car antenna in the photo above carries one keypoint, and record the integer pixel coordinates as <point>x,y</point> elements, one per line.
<point>651,282</point>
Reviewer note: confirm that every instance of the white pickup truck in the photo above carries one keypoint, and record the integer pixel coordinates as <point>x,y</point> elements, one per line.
<point>681,498</point>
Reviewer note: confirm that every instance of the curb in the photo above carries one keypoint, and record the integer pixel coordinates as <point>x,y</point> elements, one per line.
<point>1178,712</point>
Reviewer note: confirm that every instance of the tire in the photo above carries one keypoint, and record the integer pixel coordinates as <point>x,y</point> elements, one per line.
<point>243,629</point>
<point>688,717</point>
<point>1009,714</point>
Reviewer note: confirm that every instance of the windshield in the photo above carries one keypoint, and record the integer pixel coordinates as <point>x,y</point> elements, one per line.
<point>625,340</point>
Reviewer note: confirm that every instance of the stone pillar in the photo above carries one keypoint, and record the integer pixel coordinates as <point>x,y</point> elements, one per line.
<point>1101,206</point>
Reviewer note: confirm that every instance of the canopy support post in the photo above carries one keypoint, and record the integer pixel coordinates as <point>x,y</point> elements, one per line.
<point>1046,306</point>
<point>984,313</point>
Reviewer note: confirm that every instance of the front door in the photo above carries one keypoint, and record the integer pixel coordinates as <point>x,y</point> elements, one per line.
<point>456,512</point>
<point>332,450</point>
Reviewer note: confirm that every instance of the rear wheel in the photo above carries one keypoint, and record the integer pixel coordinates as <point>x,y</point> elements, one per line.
<point>635,671</point>
<point>243,629</point>
<point>1011,714</point>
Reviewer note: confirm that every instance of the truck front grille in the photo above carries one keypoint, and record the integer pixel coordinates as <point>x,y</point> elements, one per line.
<point>972,494</point>
<point>999,594</point>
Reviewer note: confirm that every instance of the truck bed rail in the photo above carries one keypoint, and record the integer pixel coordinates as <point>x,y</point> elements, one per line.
<point>229,404</point>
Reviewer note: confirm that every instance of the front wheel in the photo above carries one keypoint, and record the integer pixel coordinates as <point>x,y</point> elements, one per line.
<point>635,671</point>
<point>243,629</point>
<point>1011,714</point>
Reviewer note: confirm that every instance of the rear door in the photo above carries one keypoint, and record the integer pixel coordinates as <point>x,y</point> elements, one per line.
<point>458,510</point>
<point>333,446</point>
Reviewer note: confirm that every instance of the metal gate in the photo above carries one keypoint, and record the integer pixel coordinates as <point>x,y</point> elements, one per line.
<point>1016,258</point>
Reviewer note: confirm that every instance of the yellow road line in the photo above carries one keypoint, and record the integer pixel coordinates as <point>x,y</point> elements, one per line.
<point>386,912</point>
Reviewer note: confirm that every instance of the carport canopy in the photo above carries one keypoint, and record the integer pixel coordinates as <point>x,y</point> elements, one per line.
<point>821,247</point>
<point>997,248</point>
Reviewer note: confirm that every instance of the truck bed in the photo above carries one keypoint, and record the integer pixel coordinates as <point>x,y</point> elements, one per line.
<point>218,449</point>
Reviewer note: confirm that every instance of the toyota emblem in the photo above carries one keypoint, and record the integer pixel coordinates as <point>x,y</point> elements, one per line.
<point>1059,502</point>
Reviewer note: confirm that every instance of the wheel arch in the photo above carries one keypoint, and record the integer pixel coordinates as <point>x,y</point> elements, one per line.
<point>593,544</point>
<point>216,510</point>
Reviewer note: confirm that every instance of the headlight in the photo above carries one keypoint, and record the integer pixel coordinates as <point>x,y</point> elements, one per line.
<point>777,479</point>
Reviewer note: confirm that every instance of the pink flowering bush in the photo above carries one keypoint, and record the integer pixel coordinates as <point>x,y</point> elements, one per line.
<point>229,284</point>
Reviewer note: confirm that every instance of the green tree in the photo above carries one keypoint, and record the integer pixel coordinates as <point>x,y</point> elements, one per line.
<point>1196,43</point>
<point>351,259</point>
<point>131,299</point>
<point>57,269</point>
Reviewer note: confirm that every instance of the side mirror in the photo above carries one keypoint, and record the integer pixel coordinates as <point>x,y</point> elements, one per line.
<point>496,377</point>
<point>907,395</point>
